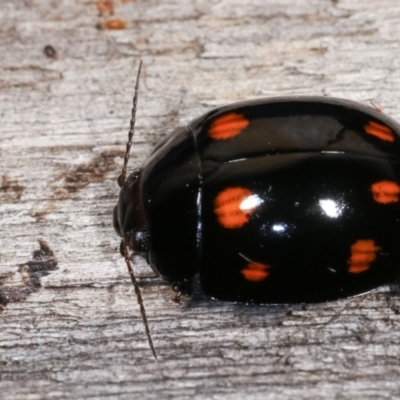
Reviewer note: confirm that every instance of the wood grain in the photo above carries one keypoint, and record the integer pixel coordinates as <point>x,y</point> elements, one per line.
<point>70,325</point>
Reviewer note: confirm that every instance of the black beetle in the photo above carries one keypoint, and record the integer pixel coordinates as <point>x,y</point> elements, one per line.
<point>281,200</point>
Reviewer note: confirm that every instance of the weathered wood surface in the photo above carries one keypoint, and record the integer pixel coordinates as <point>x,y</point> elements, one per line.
<point>70,325</point>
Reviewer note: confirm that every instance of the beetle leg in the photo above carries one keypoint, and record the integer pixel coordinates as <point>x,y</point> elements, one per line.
<point>183,290</point>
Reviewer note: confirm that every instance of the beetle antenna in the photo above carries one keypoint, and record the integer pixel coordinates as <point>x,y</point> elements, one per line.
<point>124,246</point>
<point>138,293</point>
<point>122,177</point>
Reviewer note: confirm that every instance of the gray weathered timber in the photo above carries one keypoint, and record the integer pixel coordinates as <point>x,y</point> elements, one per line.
<point>71,327</point>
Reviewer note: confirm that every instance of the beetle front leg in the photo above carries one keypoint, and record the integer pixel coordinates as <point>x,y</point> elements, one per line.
<point>183,290</point>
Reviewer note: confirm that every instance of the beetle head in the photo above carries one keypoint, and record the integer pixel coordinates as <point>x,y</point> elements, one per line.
<point>129,220</point>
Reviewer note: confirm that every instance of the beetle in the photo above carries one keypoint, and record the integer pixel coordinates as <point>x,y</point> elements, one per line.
<point>276,200</point>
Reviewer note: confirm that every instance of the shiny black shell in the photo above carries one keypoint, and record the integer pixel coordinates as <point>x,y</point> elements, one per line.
<point>282,200</point>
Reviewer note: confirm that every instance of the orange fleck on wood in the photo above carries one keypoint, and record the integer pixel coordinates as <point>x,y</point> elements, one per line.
<point>363,253</point>
<point>255,272</point>
<point>115,24</point>
<point>385,192</point>
<point>228,126</point>
<point>105,6</point>
<point>380,131</point>
<point>227,207</point>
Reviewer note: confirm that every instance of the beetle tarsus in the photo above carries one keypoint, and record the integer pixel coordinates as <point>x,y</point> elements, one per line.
<point>177,298</point>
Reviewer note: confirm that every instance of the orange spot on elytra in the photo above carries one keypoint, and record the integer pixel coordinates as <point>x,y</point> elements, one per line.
<point>255,271</point>
<point>385,192</point>
<point>380,131</point>
<point>228,206</point>
<point>363,253</point>
<point>228,126</point>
